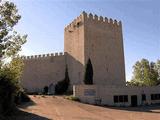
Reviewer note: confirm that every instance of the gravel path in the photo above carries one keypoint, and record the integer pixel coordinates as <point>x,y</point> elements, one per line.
<point>58,108</point>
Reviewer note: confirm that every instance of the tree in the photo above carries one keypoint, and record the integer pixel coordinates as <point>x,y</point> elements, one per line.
<point>144,74</point>
<point>153,76</point>
<point>88,76</point>
<point>13,70</point>
<point>10,40</point>
<point>62,86</point>
<point>9,84</point>
<point>10,45</point>
<point>158,70</point>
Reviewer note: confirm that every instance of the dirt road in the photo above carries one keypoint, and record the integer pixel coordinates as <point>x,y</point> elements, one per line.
<point>58,108</point>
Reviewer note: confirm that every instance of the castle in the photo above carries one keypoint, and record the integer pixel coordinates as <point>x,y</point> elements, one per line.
<point>88,36</point>
<point>100,40</point>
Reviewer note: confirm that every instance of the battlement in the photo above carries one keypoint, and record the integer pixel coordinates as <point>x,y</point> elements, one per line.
<point>77,21</point>
<point>43,56</point>
<point>101,19</point>
<point>85,16</point>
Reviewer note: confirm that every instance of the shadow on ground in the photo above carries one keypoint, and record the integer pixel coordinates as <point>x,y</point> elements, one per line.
<point>154,108</point>
<point>150,109</point>
<point>22,115</point>
<point>26,104</point>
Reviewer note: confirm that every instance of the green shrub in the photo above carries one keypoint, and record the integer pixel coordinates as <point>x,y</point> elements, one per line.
<point>62,86</point>
<point>7,91</point>
<point>9,85</point>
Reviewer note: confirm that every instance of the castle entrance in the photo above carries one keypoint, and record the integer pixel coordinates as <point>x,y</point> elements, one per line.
<point>134,100</point>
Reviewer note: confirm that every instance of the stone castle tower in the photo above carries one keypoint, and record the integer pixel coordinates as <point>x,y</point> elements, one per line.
<point>88,36</point>
<point>100,40</point>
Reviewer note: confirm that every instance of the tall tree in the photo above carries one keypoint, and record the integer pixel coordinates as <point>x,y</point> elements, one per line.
<point>66,74</point>
<point>88,76</point>
<point>10,40</point>
<point>153,74</point>
<point>158,70</point>
<point>10,45</point>
<point>144,74</point>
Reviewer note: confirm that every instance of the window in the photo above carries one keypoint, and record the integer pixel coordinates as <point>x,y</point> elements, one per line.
<point>155,96</point>
<point>115,99</point>
<point>78,24</point>
<point>120,98</point>
<point>158,96</point>
<point>143,97</point>
<point>152,97</point>
<point>125,98</point>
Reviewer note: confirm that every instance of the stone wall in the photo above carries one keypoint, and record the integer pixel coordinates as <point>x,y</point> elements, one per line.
<point>42,70</point>
<point>104,46</point>
<point>74,47</point>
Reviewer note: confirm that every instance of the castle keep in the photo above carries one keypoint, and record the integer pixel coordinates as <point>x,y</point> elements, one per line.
<point>100,40</point>
<point>88,36</point>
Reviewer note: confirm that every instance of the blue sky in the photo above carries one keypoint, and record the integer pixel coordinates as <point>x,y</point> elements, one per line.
<point>44,22</point>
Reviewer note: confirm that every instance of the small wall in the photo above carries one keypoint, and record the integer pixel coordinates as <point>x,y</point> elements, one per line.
<point>79,91</point>
<point>105,94</point>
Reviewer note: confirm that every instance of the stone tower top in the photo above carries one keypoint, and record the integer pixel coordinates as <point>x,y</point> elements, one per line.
<point>85,16</point>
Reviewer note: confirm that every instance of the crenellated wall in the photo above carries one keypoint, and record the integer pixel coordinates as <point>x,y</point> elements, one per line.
<point>100,19</point>
<point>43,70</point>
<point>32,57</point>
<point>95,18</point>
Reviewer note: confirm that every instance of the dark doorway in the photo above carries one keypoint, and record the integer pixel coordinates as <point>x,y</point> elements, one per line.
<point>45,90</point>
<point>134,100</point>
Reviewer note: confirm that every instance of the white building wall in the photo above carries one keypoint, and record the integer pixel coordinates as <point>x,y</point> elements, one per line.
<point>106,94</point>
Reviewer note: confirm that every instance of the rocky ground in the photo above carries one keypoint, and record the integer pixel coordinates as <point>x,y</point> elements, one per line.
<point>58,108</point>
